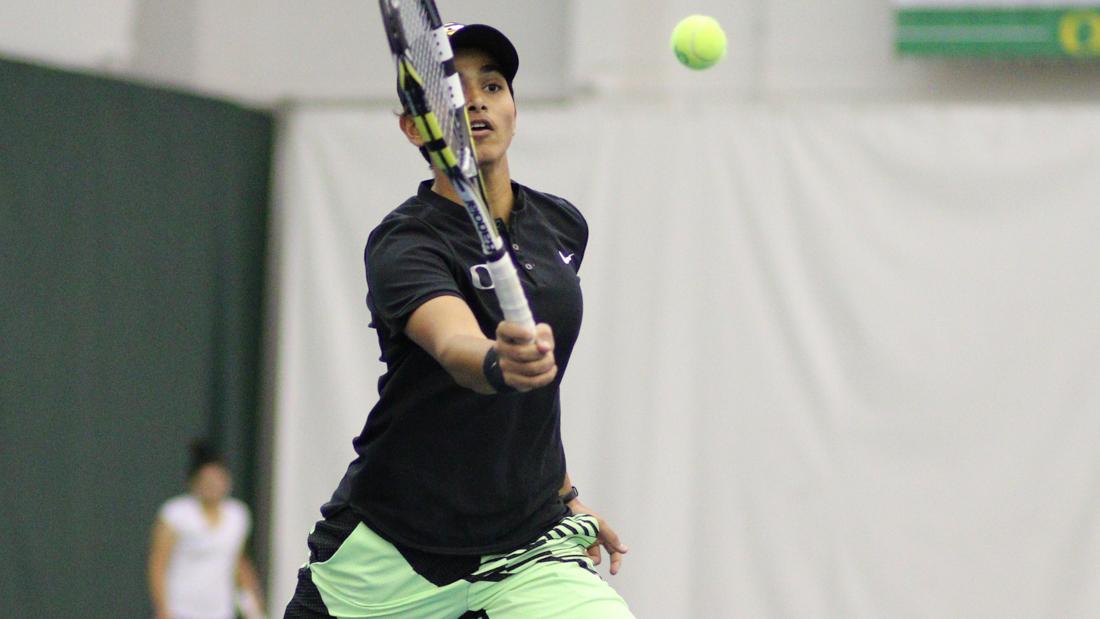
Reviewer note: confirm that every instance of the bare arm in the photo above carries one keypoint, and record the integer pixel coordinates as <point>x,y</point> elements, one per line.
<point>249,581</point>
<point>445,327</point>
<point>160,551</point>
<point>566,485</point>
<point>608,538</point>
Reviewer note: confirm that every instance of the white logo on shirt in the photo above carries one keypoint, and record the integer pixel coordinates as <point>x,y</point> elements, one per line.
<point>564,258</point>
<point>481,277</point>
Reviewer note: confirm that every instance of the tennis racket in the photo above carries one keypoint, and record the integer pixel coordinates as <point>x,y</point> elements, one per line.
<point>432,92</point>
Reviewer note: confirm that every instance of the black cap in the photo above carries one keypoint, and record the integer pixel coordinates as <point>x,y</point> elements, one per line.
<point>488,39</point>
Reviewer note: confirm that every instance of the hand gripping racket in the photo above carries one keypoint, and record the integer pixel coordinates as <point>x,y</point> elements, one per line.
<point>432,92</point>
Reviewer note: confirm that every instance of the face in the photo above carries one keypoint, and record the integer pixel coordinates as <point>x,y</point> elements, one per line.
<point>211,483</point>
<point>489,105</point>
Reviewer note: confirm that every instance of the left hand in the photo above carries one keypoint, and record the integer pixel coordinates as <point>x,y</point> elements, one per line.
<point>608,538</point>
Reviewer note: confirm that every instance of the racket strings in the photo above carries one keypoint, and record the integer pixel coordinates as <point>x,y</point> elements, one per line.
<point>426,58</point>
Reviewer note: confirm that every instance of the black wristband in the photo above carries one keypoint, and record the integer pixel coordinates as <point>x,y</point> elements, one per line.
<point>493,374</point>
<point>570,496</point>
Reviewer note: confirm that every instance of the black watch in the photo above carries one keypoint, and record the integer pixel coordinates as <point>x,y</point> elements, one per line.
<point>570,496</point>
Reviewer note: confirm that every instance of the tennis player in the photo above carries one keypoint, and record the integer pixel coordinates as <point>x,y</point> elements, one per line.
<point>197,559</point>
<point>459,503</point>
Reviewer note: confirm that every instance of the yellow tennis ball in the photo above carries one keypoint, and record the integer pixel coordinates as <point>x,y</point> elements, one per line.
<point>698,41</point>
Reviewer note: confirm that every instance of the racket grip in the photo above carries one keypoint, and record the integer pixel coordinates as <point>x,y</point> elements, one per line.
<point>509,291</point>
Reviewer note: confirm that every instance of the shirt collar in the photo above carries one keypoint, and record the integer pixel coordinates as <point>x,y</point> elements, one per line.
<point>425,193</point>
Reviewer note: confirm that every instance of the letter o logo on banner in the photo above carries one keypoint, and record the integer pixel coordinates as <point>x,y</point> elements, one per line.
<point>1076,43</point>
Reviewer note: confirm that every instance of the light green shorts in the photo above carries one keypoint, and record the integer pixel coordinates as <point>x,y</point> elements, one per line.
<point>550,578</point>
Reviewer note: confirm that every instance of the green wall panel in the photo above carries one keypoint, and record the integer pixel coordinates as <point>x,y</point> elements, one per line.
<point>132,235</point>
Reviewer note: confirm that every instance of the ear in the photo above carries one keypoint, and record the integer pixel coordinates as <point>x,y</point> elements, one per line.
<point>408,127</point>
<point>515,112</point>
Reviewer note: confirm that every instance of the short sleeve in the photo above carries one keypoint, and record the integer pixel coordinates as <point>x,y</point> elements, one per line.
<point>407,263</point>
<point>174,513</point>
<point>243,515</point>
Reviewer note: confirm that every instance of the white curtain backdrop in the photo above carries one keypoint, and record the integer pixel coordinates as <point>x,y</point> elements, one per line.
<point>837,361</point>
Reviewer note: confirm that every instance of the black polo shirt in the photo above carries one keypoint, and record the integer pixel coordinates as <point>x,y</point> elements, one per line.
<point>441,468</point>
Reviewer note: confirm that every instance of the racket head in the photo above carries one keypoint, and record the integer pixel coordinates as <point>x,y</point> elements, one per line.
<point>430,88</point>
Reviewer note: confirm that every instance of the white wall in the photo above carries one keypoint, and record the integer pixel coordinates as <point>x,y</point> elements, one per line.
<point>838,361</point>
<point>782,50</point>
<point>73,33</point>
<point>334,49</point>
<point>262,51</point>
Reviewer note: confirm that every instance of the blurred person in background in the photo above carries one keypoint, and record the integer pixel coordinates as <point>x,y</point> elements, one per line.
<point>198,568</point>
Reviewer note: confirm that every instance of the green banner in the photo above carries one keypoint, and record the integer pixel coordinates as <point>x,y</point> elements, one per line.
<point>1000,32</point>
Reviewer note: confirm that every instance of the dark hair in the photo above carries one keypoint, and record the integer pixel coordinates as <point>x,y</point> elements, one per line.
<point>202,453</point>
